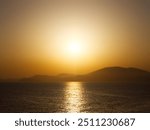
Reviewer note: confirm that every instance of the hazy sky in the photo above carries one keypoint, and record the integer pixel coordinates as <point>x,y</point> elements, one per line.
<point>36,35</point>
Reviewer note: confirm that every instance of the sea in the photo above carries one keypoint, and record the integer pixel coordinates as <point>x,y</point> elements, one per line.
<point>75,97</point>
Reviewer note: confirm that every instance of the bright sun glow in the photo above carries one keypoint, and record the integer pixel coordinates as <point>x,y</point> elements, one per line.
<point>75,48</point>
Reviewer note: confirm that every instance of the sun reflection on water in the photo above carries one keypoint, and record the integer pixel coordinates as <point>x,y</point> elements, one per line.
<point>73,96</point>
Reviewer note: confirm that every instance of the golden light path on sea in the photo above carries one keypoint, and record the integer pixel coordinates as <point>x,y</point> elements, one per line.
<point>74,98</point>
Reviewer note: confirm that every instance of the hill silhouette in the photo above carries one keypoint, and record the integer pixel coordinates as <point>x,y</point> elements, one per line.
<point>107,74</point>
<point>119,74</point>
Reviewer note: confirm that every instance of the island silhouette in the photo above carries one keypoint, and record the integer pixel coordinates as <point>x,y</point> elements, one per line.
<point>116,74</point>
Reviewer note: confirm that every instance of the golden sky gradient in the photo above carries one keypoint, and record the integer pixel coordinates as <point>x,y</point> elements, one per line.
<point>72,36</point>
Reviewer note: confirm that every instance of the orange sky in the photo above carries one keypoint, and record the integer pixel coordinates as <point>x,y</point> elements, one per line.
<point>35,36</point>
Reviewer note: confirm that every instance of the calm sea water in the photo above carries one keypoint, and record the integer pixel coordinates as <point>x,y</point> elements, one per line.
<point>74,97</point>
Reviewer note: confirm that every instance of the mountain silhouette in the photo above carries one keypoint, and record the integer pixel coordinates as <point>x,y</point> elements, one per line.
<point>109,74</point>
<point>118,74</point>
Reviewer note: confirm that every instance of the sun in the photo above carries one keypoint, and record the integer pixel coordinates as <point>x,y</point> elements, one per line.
<point>75,48</point>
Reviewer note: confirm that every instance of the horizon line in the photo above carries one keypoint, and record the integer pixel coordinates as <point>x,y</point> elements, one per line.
<point>17,78</point>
